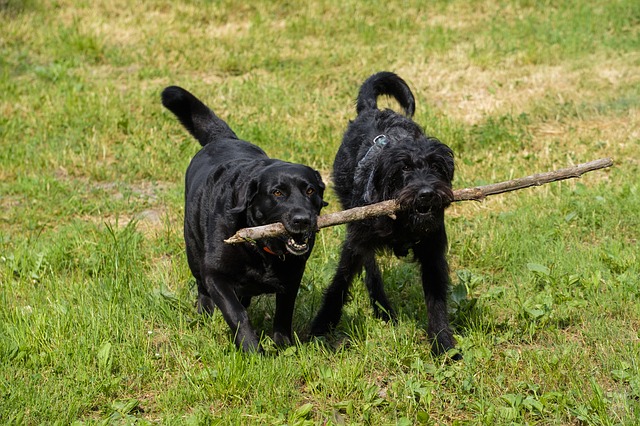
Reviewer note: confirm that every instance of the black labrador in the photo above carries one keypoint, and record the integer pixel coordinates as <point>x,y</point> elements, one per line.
<point>232,184</point>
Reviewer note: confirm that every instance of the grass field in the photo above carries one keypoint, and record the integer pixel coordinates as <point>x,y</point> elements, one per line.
<point>97,317</point>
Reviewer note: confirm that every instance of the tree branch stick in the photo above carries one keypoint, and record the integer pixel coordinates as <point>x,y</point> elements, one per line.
<point>390,207</point>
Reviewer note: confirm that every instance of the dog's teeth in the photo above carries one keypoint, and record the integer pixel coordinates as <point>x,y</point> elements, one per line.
<point>295,246</point>
<point>294,243</point>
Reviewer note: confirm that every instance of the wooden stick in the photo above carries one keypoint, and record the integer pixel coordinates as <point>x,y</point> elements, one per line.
<point>390,207</point>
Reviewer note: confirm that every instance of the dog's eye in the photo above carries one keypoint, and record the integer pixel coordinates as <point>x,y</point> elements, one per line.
<point>277,193</point>
<point>311,191</point>
<point>406,168</point>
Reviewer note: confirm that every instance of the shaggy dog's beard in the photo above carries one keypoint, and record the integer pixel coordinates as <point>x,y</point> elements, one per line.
<point>423,195</point>
<point>423,203</point>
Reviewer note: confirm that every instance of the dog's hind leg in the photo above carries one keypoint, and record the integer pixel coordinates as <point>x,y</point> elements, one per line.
<point>206,305</point>
<point>373,279</point>
<point>435,284</point>
<point>336,295</point>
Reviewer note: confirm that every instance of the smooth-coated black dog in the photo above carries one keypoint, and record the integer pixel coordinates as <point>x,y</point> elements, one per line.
<point>385,155</point>
<point>232,184</point>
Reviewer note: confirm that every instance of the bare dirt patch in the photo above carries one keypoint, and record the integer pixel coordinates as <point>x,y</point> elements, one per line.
<point>468,92</point>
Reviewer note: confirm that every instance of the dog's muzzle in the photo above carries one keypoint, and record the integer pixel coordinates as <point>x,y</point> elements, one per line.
<point>300,228</point>
<point>296,244</point>
<point>426,200</point>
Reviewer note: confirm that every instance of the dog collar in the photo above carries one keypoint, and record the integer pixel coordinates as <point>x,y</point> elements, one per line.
<point>265,249</point>
<point>364,170</point>
<point>380,140</point>
<point>268,250</point>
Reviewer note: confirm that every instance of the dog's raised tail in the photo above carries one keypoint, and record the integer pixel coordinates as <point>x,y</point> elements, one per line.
<point>195,116</point>
<point>385,83</point>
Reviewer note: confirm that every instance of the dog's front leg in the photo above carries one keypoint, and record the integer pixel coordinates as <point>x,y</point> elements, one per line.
<point>283,318</point>
<point>285,304</point>
<point>233,312</point>
<point>435,284</point>
<point>335,296</point>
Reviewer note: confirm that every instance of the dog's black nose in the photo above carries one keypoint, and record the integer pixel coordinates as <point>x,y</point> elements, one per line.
<point>301,220</point>
<point>425,200</point>
<point>426,195</point>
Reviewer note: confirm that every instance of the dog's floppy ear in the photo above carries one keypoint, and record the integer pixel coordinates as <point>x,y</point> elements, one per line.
<point>322,187</point>
<point>449,164</point>
<point>243,197</point>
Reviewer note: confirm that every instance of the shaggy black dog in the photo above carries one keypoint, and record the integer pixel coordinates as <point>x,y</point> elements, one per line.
<point>383,156</point>
<point>232,184</point>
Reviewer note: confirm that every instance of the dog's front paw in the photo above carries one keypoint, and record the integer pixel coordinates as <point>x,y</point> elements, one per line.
<point>443,343</point>
<point>250,346</point>
<point>386,314</point>
<point>456,356</point>
<point>281,340</point>
<point>318,331</point>
<point>320,326</point>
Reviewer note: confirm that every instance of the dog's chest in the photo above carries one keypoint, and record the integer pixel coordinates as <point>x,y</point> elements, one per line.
<point>258,277</point>
<point>385,233</point>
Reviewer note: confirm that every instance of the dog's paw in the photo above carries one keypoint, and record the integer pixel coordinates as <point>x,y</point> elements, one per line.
<point>320,327</point>
<point>250,346</point>
<point>445,345</point>
<point>455,355</point>
<point>385,314</point>
<point>281,340</point>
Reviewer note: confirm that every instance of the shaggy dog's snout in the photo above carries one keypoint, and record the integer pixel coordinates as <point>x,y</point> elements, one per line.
<point>425,199</point>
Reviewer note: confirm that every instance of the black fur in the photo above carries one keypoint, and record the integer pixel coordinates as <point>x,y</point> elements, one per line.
<point>385,155</point>
<point>232,184</point>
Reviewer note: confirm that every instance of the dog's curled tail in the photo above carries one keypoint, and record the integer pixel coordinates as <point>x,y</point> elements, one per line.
<point>385,83</point>
<point>195,116</point>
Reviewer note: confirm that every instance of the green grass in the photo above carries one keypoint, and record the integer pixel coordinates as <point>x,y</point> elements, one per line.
<point>97,317</point>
